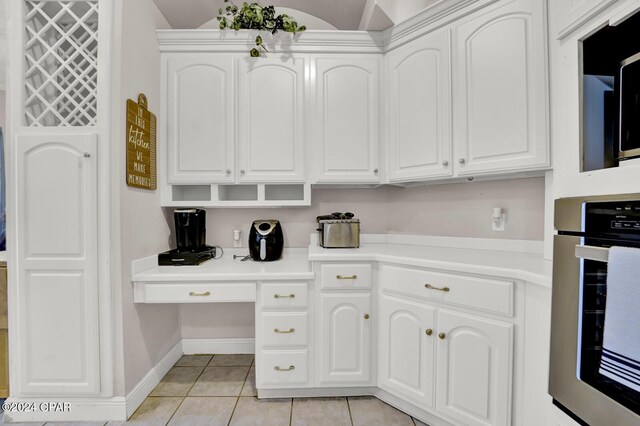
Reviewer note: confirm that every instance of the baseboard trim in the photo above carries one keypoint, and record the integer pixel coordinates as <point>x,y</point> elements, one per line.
<point>219,346</point>
<point>80,410</point>
<point>316,392</point>
<point>152,378</point>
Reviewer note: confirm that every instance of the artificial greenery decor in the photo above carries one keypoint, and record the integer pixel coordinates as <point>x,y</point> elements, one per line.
<point>252,16</point>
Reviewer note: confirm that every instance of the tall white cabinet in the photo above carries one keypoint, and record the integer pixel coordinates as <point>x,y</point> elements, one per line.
<point>419,116</point>
<point>500,89</point>
<point>271,119</point>
<point>200,118</point>
<point>58,294</point>
<point>346,118</point>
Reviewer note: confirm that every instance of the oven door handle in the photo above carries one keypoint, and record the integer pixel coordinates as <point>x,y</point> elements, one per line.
<point>599,254</point>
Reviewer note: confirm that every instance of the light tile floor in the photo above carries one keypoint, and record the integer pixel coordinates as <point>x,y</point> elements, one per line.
<point>215,390</point>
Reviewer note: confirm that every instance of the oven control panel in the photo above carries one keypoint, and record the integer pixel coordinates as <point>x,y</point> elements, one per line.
<point>613,217</point>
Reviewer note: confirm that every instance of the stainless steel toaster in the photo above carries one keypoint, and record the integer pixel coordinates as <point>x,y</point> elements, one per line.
<point>338,230</point>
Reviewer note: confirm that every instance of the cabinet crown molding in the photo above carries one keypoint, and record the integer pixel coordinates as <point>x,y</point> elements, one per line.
<point>242,40</point>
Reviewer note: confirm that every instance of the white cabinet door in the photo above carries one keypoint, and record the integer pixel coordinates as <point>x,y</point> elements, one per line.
<point>407,350</point>
<point>345,338</point>
<point>58,334</point>
<point>200,118</point>
<point>500,96</point>
<point>474,369</point>
<point>346,121</point>
<point>420,109</point>
<point>271,119</point>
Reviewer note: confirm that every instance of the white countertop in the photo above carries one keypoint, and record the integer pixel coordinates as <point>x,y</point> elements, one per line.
<point>530,267</point>
<point>511,260</point>
<point>294,265</point>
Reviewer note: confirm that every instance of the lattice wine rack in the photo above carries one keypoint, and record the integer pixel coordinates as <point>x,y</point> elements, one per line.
<point>61,62</point>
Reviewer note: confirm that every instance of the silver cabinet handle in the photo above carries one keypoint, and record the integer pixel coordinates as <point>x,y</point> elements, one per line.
<point>430,287</point>
<point>284,296</point>
<point>193,293</point>
<point>599,254</point>
<point>277,330</point>
<point>278,368</point>
<point>228,171</point>
<point>461,161</point>
<point>445,163</point>
<point>347,277</point>
<point>241,171</point>
<point>375,171</point>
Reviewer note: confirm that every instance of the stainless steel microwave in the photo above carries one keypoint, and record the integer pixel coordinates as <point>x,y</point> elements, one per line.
<point>630,107</point>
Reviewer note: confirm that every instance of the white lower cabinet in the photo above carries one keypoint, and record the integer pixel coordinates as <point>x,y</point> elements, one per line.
<point>474,364</point>
<point>407,349</point>
<point>457,365</point>
<point>345,324</point>
<point>282,335</point>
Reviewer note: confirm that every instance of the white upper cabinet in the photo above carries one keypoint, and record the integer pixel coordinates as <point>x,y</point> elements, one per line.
<point>345,338</point>
<point>200,118</point>
<point>346,119</point>
<point>271,119</point>
<point>58,339</point>
<point>474,369</point>
<point>500,90</point>
<point>419,99</point>
<point>407,349</point>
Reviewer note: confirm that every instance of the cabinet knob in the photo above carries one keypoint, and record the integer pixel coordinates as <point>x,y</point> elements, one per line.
<point>462,161</point>
<point>375,171</point>
<point>241,171</point>
<point>366,316</point>
<point>228,171</point>
<point>442,336</point>
<point>429,332</point>
<point>445,163</point>
<point>86,155</point>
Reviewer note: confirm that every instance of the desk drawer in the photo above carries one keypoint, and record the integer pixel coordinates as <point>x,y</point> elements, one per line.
<point>345,276</point>
<point>285,329</point>
<point>199,293</point>
<point>284,295</point>
<point>482,293</point>
<point>284,367</point>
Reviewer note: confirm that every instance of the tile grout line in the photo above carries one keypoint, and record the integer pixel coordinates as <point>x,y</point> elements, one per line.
<point>189,390</point>
<point>349,408</point>
<point>291,412</point>
<point>240,393</point>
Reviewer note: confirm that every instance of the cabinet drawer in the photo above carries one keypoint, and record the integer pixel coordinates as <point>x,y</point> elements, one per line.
<point>284,295</point>
<point>482,293</point>
<point>285,329</point>
<point>345,276</point>
<point>284,367</point>
<point>199,293</point>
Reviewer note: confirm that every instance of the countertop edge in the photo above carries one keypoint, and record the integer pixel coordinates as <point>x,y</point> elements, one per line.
<point>499,272</point>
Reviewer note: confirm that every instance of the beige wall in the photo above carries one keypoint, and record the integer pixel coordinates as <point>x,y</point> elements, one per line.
<point>460,210</point>
<point>150,331</point>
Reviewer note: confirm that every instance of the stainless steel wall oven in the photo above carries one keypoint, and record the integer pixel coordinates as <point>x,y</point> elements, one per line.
<point>587,228</point>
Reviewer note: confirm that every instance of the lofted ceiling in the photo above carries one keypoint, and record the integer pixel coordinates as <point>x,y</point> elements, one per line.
<point>185,14</point>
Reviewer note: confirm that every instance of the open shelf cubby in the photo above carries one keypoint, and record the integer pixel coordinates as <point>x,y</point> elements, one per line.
<point>239,195</point>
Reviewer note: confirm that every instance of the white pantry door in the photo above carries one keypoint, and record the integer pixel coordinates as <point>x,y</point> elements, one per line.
<point>58,329</point>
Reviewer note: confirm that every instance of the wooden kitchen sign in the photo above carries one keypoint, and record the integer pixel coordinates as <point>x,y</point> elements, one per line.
<point>141,145</point>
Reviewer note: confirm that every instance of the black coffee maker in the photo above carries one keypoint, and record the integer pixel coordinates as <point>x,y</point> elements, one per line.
<point>191,231</point>
<point>191,235</point>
